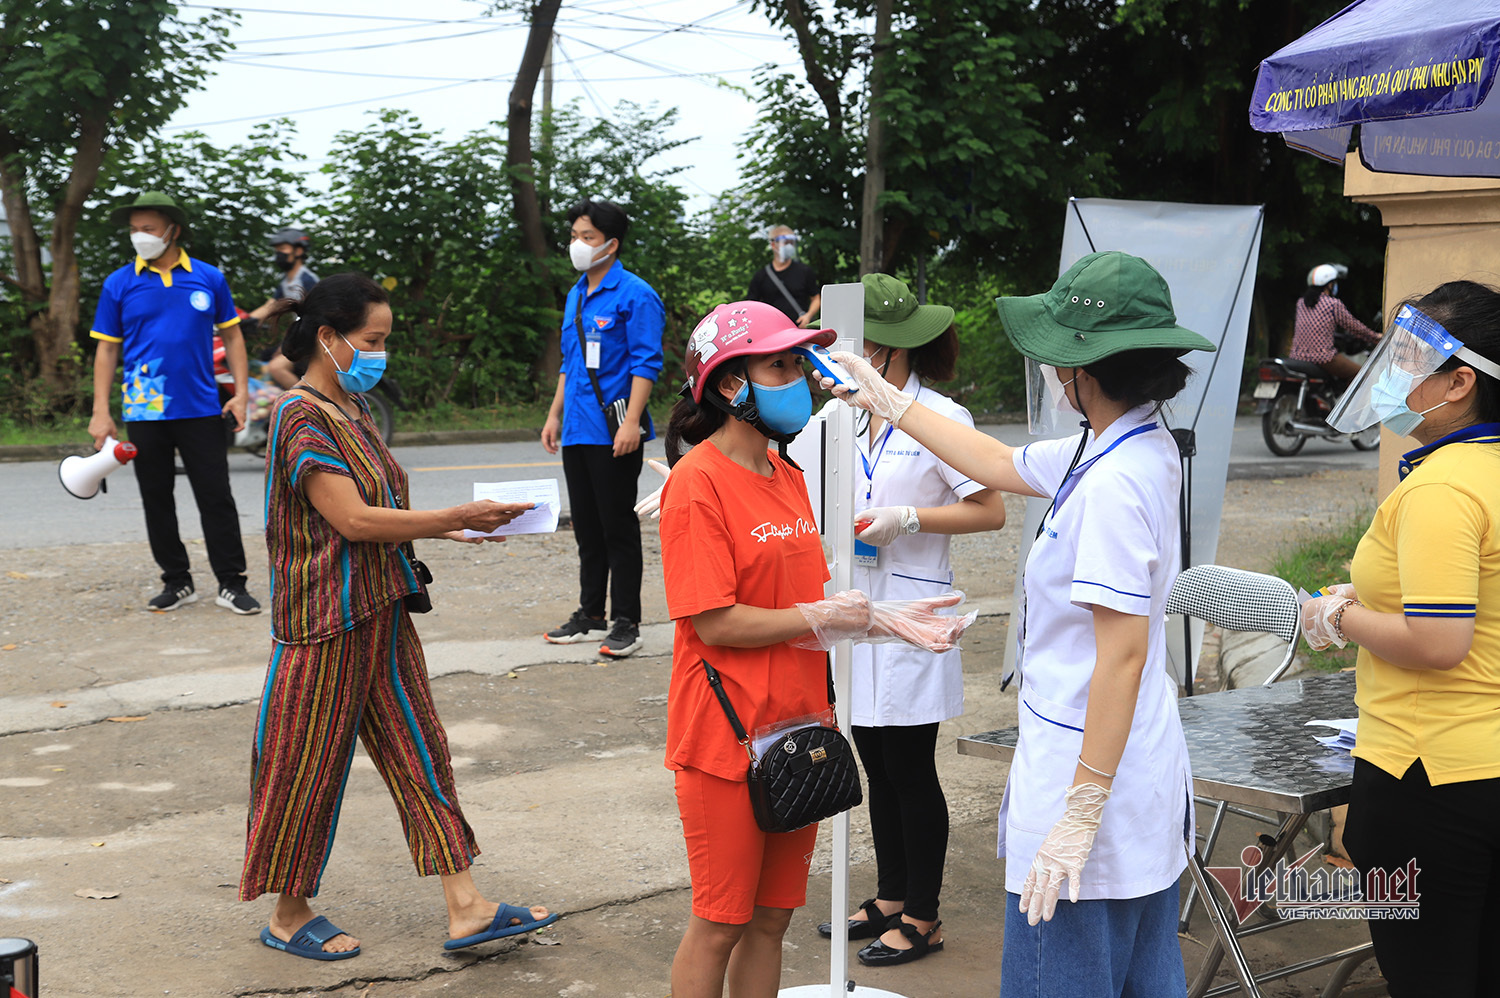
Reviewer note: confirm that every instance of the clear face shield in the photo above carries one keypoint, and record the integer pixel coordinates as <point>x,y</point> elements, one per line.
<point>1414,348</point>
<point>1047,407</point>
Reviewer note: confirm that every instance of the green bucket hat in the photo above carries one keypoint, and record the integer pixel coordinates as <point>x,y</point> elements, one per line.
<point>894,319</point>
<point>152,201</point>
<point>1105,303</point>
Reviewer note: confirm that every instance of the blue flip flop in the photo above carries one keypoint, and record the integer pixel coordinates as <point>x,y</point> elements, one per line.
<point>308,941</point>
<point>501,927</point>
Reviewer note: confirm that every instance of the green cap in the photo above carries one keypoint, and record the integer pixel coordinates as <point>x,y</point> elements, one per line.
<point>894,319</point>
<point>1106,303</point>
<point>153,201</point>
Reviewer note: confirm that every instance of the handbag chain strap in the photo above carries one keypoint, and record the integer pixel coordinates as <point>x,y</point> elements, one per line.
<point>717,685</point>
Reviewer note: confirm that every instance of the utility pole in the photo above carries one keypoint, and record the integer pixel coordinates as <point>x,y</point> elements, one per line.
<point>872,220</point>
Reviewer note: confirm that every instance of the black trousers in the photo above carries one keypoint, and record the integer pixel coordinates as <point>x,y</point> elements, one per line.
<point>601,492</point>
<point>205,455</point>
<point>908,814</point>
<point>1452,832</point>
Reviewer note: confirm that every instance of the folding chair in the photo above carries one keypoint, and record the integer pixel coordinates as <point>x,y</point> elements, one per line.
<point>1236,600</point>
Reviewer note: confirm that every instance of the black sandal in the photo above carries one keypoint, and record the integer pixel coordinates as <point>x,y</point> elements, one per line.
<point>872,925</point>
<point>878,954</point>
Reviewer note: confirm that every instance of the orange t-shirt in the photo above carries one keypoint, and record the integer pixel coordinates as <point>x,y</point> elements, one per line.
<point>729,535</point>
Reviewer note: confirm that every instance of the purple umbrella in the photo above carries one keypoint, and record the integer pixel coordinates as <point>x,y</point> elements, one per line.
<point>1411,75</point>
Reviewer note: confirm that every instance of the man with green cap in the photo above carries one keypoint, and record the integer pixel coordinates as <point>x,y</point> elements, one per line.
<point>1099,797</point>
<point>160,312</point>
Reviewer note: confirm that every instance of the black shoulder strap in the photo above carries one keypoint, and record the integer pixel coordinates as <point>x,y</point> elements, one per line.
<point>734,719</point>
<point>718,688</point>
<point>771,273</point>
<point>583,342</point>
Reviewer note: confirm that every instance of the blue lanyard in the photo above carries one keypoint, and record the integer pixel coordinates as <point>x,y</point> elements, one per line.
<point>870,468</point>
<point>1071,483</point>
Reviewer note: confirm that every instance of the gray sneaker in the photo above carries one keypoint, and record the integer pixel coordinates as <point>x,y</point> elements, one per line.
<point>579,627</point>
<point>236,599</point>
<point>624,637</point>
<point>172,597</point>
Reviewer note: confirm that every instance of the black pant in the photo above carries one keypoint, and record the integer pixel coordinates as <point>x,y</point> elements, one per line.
<point>601,492</point>
<point>1452,832</point>
<point>908,814</point>
<point>205,455</point>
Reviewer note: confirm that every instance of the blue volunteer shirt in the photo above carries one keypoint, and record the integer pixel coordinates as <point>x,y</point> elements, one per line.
<point>165,323</point>
<point>624,316</point>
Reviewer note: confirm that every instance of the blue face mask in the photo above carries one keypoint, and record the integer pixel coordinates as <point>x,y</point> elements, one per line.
<point>783,408</point>
<point>1388,401</point>
<point>365,369</point>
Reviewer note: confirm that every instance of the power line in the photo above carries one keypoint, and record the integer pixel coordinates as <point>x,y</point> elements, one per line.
<point>381,45</point>
<point>329,107</point>
<point>587,90</point>
<point>316,13</point>
<point>354,31</point>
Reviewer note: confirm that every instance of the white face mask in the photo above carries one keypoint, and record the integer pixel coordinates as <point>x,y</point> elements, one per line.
<point>583,255</point>
<point>148,246</point>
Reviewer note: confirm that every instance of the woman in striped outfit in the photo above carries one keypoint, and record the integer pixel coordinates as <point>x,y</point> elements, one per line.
<point>346,660</point>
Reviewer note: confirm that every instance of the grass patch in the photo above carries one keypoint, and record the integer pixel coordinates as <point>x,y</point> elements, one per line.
<point>60,432</point>
<point>1321,560</point>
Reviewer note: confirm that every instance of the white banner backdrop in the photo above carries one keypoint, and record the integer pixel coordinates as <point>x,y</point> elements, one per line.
<point>1207,253</point>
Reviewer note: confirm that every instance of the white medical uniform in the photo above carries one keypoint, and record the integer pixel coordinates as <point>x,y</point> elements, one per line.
<point>896,684</point>
<point>1111,541</point>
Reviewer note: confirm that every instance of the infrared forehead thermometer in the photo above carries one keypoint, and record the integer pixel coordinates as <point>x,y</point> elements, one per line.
<point>827,366</point>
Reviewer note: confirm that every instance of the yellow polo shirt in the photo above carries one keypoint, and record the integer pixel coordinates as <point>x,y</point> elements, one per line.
<point>1433,550</point>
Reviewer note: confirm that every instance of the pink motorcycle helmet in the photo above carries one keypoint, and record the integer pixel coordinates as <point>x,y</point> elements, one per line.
<point>742,329</point>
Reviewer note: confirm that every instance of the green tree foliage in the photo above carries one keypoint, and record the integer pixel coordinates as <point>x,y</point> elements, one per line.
<point>80,75</point>
<point>431,218</point>
<point>234,198</point>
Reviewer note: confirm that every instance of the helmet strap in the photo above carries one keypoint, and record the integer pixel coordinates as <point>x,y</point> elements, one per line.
<point>748,412</point>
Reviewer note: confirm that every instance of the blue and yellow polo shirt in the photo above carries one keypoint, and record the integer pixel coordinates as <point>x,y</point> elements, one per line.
<point>1433,550</point>
<point>165,322</point>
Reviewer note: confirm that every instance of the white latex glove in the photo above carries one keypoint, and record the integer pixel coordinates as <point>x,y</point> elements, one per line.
<point>1317,619</point>
<point>651,505</point>
<point>848,614</point>
<point>875,393</point>
<point>1063,853</point>
<point>884,524</point>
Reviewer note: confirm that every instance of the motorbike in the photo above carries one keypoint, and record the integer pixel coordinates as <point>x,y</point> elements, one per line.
<point>383,400</point>
<point>1294,399</point>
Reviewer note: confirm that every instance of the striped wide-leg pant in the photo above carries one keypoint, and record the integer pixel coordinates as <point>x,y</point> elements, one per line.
<point>370,682</point>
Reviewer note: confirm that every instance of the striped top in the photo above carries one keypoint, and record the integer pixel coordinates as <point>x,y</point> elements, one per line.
<point>322,584</point>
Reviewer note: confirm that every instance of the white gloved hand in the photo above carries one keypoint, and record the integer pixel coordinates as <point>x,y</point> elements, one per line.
<point>1063,852</point>
<point>1317,619</point>
<point>848,614</point>
<point>884,524</point>
<point>651,505</point>
<point>875,393</point>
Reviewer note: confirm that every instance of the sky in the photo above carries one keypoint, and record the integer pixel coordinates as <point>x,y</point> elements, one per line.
<point>327,63</point>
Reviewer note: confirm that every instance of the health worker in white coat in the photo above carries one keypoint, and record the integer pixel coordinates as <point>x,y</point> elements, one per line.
<point>1099,795</point>
<point>908,505</point>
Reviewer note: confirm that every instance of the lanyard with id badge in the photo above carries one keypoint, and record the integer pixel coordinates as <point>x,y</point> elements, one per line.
<point>868,555</point>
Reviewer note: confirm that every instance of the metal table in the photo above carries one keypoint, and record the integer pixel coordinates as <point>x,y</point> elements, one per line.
<point>1251,747</point>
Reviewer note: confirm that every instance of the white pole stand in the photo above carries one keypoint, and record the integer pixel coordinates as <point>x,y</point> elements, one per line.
<point>843,311</point>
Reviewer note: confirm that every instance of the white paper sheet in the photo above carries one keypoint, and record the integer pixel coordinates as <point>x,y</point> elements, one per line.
<point>541,520</point>
<point>1347,727</point>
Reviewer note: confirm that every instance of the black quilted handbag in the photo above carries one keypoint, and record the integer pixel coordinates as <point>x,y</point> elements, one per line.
<point>806,775</point>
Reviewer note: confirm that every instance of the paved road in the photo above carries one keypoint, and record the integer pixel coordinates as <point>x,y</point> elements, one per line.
<point>39,513</point>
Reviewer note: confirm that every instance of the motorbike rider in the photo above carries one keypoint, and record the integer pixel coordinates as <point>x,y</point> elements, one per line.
<point>290,247</point>
<point>1319,316</point>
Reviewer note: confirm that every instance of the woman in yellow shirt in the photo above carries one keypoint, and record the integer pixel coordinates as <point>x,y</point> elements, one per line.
<point>1424,608</point>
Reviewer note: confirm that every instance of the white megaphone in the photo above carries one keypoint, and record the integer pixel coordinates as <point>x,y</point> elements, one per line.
<point>84,476</point>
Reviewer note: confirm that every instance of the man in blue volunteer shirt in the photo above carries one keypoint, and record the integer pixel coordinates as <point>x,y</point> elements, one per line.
<point>161,312</point>
<point>611,348</point>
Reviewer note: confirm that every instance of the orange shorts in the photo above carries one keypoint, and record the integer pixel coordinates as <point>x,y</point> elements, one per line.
<point>734,865</point>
